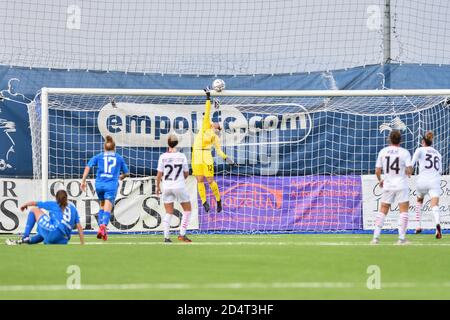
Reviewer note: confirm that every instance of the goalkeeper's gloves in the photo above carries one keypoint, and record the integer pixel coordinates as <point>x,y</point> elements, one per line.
<point>208,93</point>
<point>230,161</point>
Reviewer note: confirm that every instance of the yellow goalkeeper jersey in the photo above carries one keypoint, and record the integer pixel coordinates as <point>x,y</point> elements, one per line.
<point>206,137</point>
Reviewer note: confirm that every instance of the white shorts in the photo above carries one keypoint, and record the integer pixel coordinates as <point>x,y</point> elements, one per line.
<point>172,195</point>
<point>431,187</point>
<point>390,196</point>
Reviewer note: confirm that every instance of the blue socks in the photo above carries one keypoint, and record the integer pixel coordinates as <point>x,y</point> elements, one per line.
<point>31,221</point>
<point>106,218</point>
<point>100,216</point>
<point>36,239</point>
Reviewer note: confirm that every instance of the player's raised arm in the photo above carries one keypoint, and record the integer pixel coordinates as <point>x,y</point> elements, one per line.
<point>207,117</point>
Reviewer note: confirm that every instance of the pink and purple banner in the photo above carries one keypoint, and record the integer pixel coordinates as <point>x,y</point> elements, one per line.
<point>309,203</point>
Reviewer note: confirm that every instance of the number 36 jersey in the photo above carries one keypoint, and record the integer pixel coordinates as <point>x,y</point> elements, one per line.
<point>394,160</point>
<point>173,165</point>
<point>430,163</point>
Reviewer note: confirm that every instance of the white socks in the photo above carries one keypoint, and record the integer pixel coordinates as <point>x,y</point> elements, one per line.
<point>434,211</point>
<point>436,215</point>
<point>378,225</point>
<point>166,225</point>
<point>402,225</point>
<point>185,222</point>
<point>418,214</point>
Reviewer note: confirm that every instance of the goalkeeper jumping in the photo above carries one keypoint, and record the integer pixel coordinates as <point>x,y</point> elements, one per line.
<point>202,160</point>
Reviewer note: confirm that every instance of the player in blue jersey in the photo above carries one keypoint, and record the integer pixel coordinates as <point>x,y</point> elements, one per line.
<point>109,167</point>
<point>54,227</point>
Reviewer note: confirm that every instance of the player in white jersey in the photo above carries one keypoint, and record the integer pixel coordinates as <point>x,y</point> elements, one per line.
<point>395,162</point>
<point>428,180</point>
<point>173,170</point>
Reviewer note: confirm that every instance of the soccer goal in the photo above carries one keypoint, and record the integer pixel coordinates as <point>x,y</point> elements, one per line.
<point>300,155</point>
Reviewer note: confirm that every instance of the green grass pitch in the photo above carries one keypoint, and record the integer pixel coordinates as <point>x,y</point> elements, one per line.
<point>282,266</point>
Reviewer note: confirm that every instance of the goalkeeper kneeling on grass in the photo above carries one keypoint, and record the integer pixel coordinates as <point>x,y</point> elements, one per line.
<point>202,160</point>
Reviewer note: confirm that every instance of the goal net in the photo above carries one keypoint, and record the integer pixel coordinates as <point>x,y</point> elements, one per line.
<point>243,37</point>
<point>300,155</point>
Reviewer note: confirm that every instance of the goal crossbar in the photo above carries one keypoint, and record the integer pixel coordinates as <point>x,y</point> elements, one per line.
<point>45,92</point>
<point>250,93</point>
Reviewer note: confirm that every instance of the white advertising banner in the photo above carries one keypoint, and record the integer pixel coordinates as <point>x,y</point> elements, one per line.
<point>137,208</point>
<point>371,204</point>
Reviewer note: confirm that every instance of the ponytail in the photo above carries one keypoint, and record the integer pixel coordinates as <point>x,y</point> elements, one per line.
<point>395,137</point>
<point>172,141</point>
<point>110,145</point>
<point>428,138</point>
<point>61,198</point>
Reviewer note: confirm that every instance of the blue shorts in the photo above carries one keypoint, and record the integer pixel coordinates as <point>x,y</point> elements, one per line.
<point>106,193</point>
<point>50,232</point>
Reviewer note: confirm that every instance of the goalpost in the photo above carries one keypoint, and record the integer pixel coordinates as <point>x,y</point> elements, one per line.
<point>299,154</point>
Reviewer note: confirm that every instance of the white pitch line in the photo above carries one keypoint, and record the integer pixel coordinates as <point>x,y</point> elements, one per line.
<point>263,243</point>
<point>255,237</point>
<point>219,286</point>
<point>236,236</point>
<point>179,286</point>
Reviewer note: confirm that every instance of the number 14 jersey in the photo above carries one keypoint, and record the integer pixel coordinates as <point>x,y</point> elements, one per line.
<point>394,160</point>
<point>173,165</point>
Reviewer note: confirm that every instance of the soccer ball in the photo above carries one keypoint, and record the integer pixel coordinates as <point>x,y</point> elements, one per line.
<point>218,85</point>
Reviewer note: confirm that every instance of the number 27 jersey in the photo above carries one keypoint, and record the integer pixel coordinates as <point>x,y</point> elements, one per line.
<point>394,161</point>
<point>173,165</point>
